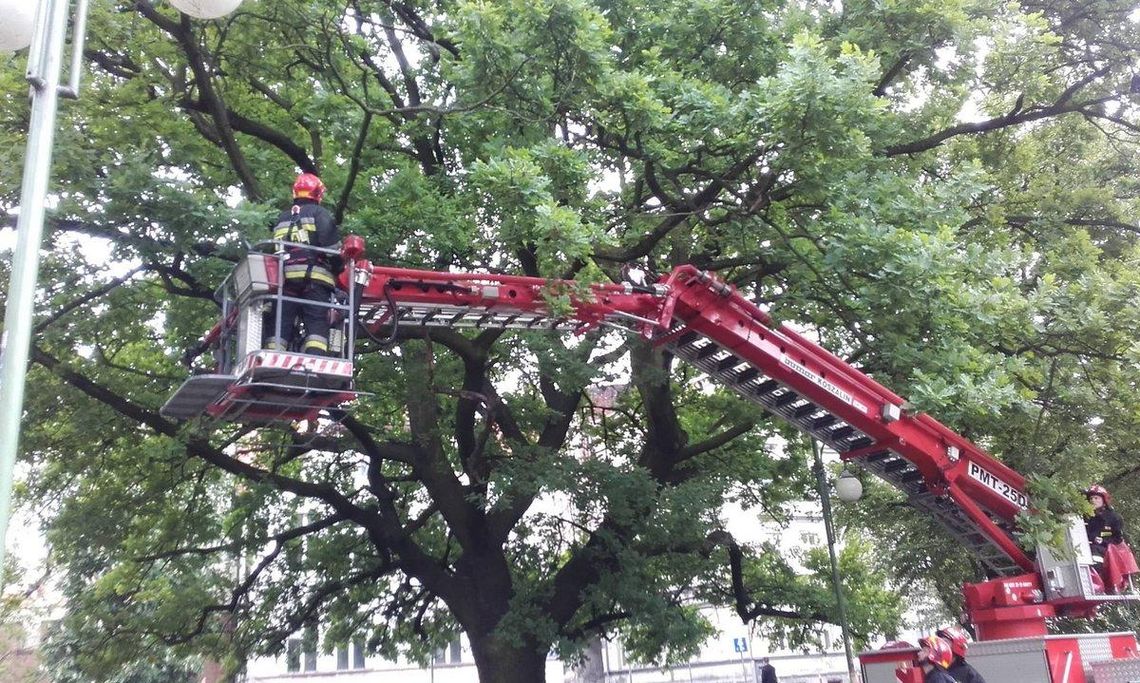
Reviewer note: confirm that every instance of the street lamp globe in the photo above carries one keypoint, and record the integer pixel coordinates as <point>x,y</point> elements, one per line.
<point>206,9</point>
<point>848,487</point>
<point>16,29</point>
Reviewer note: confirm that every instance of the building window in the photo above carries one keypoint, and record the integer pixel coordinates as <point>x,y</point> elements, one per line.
<point>295,548</point>
<point>358,654</point>
<point>293,655</point>
<point>309,642</point>
<point>342,658</point>
<point>451,654</point>
<point>809,539</point>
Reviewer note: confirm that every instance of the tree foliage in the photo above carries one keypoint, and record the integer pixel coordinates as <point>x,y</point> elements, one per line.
<point>939,190</point>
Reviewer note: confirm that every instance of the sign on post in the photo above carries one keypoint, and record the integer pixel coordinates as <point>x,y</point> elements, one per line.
<point>739,645</point>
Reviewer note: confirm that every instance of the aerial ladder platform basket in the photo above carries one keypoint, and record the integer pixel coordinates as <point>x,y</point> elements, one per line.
<point>252,384</point>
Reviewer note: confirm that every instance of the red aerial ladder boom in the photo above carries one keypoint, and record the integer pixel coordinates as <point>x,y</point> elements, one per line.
<point>709,325</point>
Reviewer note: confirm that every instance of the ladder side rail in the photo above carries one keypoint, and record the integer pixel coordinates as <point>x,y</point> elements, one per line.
<point>505,294</point>
<point>973,471</point>
<point>727,319</point>
<point>691,277</point>
<point>835,388</point>
<point>825,359</point>
<point>526,287</point>
<point>782,360</point>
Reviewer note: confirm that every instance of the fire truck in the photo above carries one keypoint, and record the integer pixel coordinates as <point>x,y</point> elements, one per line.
<point>707,323</point>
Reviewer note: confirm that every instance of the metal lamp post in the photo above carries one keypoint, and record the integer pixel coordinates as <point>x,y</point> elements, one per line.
<point>44,61</point>
<point>45,58</point>
<point>849,489</point>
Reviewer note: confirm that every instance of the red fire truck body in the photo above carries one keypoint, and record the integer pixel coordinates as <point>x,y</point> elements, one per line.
<point>1076,658</point>
<point>708,324</point>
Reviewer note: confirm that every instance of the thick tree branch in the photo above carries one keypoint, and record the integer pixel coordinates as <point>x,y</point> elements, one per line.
<point>419,27</point>
<point>272,136</point>
<point>746,607</point>
<point>183,33</point>
<point>383,527</point>
<point>1016,116</point>
<point>86,299</point>
<point>432,467</point>
<point>890,75</point>
<point>716,441</point>
<point>235,546</point>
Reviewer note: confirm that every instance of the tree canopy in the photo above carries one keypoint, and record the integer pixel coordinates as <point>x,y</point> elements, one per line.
<point>941,192</point>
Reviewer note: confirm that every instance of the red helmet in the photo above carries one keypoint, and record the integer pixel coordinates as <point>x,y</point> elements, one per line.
<point>1098,490</point>
<point>957,637</point>
<point>308,186</point>
<point>936,651</point>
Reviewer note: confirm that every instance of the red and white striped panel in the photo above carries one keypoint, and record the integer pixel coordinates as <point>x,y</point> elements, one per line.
<point>296,361</point>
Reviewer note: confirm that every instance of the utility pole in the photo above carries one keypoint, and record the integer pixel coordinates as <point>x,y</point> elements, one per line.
<point>829,528</point>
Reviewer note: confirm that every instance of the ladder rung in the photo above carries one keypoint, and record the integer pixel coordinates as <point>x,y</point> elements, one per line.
<point>766,387</point>
<point>805,410</point>
<point>785,398</point>
<point>825,421</point>
<point>747,375</point>
<point>911,477</point>
<point>706,351</point>
<point>842,432</point>
<point>727,364</point>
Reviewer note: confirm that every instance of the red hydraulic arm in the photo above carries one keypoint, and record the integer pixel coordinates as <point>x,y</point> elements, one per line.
<point>709,325</point>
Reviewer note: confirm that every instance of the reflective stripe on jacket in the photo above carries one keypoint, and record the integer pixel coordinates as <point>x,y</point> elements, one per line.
<point>307,222</point>
<point>299,271</point>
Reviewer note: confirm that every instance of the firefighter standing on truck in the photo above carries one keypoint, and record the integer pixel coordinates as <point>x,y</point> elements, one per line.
<point>1106,525</point>
<point>959,668</point>
<point>309,274</point>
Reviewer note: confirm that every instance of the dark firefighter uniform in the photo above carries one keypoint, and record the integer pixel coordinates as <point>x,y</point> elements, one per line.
<point>309,275</point>
<point>937,675</point>
<point>1104,527</point>
<point>964,673</point>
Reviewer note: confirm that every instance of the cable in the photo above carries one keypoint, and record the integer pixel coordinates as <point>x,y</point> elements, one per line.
<point>395,325</point>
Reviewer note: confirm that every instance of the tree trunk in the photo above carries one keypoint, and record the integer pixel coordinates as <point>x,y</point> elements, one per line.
<point>508,662</point>
<point>592,668</point>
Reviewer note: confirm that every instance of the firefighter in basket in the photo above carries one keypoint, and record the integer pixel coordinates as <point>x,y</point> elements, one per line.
<point>1105,526</point>
<point>309,274</point>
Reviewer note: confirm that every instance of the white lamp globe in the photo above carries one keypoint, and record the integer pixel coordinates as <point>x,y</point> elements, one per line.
<point>16,27</point>
<point>206,9</point>
<point>848,487</point>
